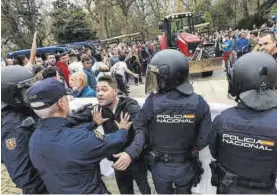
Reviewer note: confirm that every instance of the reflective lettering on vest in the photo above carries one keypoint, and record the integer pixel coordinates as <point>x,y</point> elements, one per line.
<point>248,142</point>
<point>173,125</point>
<point>165,118</point>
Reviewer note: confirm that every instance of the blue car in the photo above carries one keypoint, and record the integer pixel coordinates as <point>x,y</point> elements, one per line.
<point>40,51</point>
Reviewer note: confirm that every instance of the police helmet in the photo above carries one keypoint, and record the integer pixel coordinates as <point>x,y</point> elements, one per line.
<point>252,71</point>
<point>15,80</point>
<point>168,69</point>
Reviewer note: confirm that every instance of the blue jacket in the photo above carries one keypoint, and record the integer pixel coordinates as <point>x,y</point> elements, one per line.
<point>67,158</point>
<point>90,78</point>
<point>86,92</point>
<point>227,46</point>
<point>113,60</point>
<point>243,43</point>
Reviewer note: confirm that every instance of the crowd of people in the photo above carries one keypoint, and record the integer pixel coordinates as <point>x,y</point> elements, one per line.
<point>122,60</point>
<point>230,45</point>
<point>48,149</point>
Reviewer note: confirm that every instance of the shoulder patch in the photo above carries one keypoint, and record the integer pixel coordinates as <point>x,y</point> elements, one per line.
<point>11,143</point>
<point>99,135</point>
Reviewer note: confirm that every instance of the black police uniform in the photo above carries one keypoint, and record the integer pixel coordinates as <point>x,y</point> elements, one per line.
<point>176,121</point>
<point>244,138</point>
<point>16,130</point>
<point>174,124</point>
<point>15,153</point>
<point>137,170</point>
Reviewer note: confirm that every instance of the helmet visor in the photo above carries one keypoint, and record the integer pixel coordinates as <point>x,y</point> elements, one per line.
<point>151,83</point>
<point>27,83</point>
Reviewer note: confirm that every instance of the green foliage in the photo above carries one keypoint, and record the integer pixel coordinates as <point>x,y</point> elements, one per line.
<point>208,17</point>
<point>19,21</point>
<point>200,6</point>
<point>70,24</point>
<point>273,9</point>
<point>222,14</point>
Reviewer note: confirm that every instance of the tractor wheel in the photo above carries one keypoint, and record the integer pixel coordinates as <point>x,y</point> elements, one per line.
<point>207,74</point>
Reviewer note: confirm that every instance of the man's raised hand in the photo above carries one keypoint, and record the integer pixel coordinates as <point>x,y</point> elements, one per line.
<point>97,115</point>
<point>124,121</point>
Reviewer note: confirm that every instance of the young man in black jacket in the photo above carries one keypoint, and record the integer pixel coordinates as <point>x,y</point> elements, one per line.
<point>128,164</point>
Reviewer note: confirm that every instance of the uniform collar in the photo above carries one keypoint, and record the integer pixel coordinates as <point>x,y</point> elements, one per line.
<point>52,123</point>
<point>260,101</point>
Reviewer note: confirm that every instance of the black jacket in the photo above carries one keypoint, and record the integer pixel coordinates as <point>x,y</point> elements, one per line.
<point>125,104</point>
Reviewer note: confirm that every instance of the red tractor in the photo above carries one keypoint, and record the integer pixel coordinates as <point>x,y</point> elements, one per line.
<point>178,32</point>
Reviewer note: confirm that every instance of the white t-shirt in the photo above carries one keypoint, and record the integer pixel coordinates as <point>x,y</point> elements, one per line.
<point>119,68</point>
<point>96,67</point>
<point>75,67</point>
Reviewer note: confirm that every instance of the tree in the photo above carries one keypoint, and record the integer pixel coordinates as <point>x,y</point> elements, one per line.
<point>19,21</point>
<point>124,5</point>
<point>98,11</point>
<point>200,6</point>
<point>69,23</point>
<point>260,15</point>
<point>222,14</point>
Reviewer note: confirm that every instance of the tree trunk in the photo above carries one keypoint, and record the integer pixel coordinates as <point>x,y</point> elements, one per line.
<point>107,33</point>
<point>245,9</point>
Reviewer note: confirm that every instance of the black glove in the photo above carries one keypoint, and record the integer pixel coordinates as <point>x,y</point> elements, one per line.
<point>81,115</point>
<point>197,167</point>
<point>198,172</point>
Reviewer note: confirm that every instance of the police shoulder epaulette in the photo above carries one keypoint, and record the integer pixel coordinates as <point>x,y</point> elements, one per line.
<point>28,122</point>
<point>99,135</point>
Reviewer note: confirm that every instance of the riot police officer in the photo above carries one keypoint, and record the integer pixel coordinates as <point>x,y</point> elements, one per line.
<point>244,137</point>
<point>176,121</point>
<point>16,131</point>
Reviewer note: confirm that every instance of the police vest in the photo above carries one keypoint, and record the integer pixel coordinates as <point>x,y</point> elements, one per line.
<point>173,124</point>
<point>248,142</point>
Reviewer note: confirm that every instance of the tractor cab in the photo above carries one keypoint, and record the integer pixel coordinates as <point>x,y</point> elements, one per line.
<point>178,32</point>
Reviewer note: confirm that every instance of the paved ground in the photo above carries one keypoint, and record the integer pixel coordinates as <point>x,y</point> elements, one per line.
<point>213,89</point>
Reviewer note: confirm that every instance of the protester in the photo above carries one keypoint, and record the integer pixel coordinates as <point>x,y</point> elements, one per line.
<point>86,62</point>
<point>78,83</point>
<point>63,66</point>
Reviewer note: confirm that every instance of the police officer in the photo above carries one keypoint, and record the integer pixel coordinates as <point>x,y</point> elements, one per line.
<point>244,138</point>
<point>67,157</point>
<point>16,131</point>
<point>129,165</point>
<point>176,121</point>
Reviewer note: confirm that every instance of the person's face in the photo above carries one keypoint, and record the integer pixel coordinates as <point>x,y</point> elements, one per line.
<point>9,62</point>
<point>105,94</point>
<point>75,83</point>
<point>64,59</point>
<point>88,52</point>
<point>87,64</point>
<point>267,45</point>
<point>51,60</point>
<point>242,35</point>
<point>73,59</point>
<point>39,61</point>
<point>226,38</point>
<point>115,51</point>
